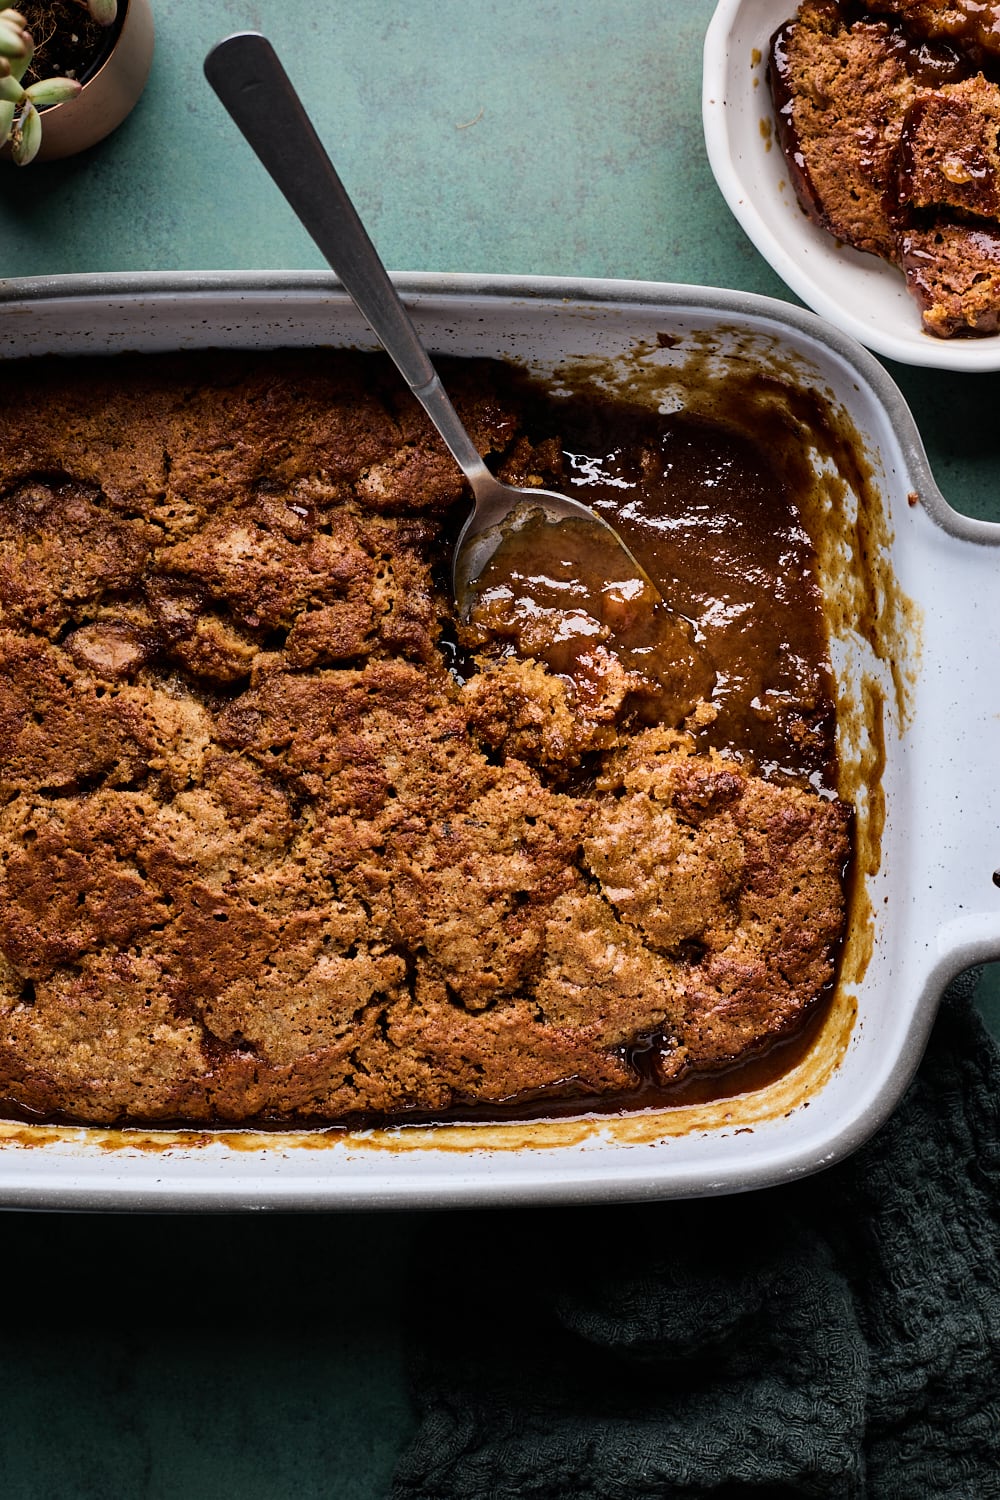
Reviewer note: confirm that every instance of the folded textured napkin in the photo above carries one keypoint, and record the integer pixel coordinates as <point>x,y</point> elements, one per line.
<point>839,1336</point>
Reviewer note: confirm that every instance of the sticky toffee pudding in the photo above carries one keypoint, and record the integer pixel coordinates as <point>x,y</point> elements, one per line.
<point>282,841</point>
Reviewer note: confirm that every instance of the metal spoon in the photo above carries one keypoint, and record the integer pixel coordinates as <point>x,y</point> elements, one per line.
<point>245,72</point>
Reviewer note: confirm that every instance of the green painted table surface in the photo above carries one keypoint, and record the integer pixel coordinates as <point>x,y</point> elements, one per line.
<point>262,1357</point>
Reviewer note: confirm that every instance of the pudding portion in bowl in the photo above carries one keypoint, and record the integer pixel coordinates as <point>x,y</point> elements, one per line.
<point>281,841</point>
<point>888,114</point>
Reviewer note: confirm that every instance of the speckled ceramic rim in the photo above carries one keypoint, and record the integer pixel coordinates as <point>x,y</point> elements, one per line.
<point>307,1179</point>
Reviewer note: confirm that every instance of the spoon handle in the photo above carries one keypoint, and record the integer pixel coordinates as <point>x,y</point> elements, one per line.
<point>245,72</point>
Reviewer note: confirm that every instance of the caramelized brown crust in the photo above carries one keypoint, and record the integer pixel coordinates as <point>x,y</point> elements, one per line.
<point>263,858</point>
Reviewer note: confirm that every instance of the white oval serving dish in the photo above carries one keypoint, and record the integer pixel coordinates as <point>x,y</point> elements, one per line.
<point>864,296</point>
<point>919,740</point>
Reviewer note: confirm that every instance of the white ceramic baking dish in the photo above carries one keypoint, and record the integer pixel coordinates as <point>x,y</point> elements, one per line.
<point>913,596</point>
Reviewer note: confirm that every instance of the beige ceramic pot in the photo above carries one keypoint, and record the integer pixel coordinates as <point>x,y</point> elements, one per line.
<point>108,95</point>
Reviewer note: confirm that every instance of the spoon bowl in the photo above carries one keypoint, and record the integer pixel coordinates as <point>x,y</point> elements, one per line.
<point>502,511</point>
<point>246,74</point>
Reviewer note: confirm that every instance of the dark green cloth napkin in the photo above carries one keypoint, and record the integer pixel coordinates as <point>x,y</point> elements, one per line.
<point>836,1337</point>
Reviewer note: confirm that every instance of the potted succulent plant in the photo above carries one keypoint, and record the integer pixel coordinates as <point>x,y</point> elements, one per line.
<point>70,71</point>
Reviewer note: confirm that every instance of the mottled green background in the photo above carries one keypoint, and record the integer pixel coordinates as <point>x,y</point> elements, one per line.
<point>258,1359</point>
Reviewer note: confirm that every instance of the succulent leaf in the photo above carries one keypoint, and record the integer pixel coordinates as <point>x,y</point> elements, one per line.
<point>14,40</point>
<point>6,121</point>
<point>20,65</point>
<point>11,91</point>
<point>27,135</point>
<point>14,17</point>
<point>52,91</point>
<point>104,12</point>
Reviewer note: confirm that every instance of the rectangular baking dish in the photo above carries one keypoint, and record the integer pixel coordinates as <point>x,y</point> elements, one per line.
<point>912,593</point>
